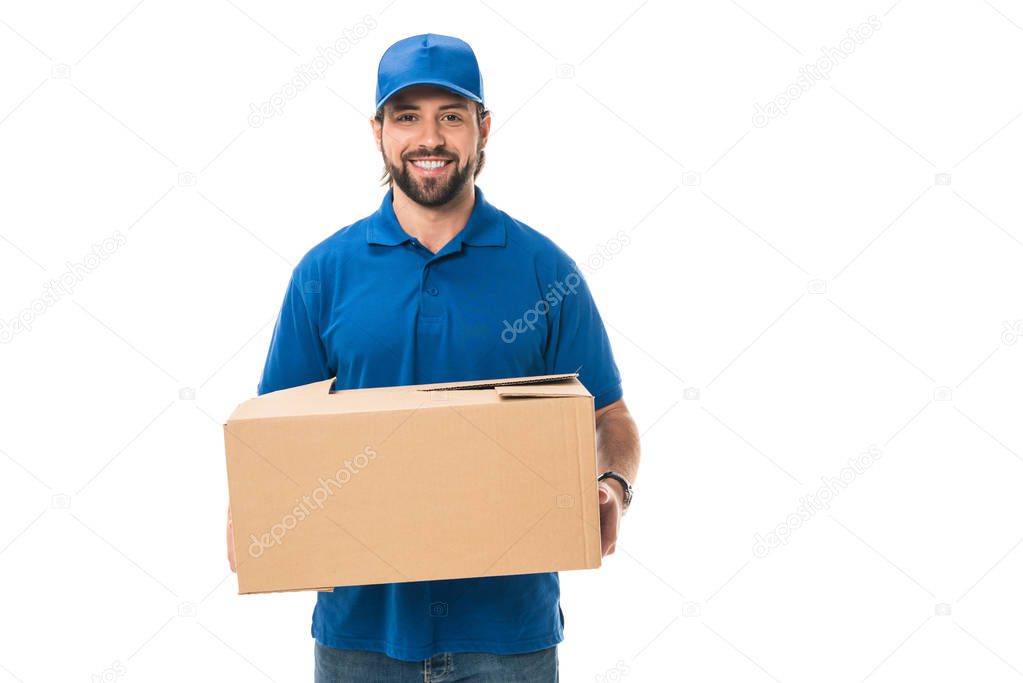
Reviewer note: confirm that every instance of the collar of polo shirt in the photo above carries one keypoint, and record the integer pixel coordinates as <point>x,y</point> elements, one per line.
<point>485,227</point>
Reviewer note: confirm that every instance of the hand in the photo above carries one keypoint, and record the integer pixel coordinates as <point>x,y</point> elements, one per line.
<point>609,496</point>
<point>231,560</point>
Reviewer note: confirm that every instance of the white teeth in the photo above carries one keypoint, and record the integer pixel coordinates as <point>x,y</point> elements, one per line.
<point>429,164</point>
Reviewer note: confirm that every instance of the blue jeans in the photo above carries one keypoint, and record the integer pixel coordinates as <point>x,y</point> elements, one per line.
<point>361,666</point>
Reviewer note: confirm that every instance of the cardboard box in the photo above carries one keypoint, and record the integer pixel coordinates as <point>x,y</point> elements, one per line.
<point>412,483</point>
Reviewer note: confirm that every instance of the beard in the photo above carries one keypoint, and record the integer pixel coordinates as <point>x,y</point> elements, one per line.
<point>431,191</point>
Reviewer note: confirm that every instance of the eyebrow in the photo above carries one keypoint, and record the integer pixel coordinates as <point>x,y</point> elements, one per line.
<point>404,106</point>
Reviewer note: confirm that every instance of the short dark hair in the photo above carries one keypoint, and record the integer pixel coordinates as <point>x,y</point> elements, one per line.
<point>481,113</point>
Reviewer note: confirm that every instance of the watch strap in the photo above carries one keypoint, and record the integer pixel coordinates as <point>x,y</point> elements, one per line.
<point>626,486</point>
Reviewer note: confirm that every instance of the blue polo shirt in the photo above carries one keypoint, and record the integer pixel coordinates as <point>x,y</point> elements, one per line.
<point>373,307</point>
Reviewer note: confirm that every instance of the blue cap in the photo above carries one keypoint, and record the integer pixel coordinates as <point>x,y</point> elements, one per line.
<point>429,59</point>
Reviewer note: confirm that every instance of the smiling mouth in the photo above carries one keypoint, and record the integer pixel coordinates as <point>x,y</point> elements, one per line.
<point>431,166</point>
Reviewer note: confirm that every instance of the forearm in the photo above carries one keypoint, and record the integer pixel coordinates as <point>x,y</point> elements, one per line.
<point>618,443</point>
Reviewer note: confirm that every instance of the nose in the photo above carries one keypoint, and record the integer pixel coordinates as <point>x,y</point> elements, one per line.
<point>432,136</point>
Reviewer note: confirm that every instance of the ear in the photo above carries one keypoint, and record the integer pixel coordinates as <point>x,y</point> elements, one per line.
<point>484,130</point>
<point>378,131</point>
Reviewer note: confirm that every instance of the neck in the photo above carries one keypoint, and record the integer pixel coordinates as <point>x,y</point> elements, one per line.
<point>434,226</point>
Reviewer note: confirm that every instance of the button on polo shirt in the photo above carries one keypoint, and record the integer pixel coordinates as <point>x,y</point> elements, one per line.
<point>371,306</point>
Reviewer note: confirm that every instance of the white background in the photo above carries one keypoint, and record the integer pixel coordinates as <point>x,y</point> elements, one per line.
<point>791,295</point>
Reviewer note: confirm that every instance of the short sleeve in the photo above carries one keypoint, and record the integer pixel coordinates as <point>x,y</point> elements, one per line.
<point>297,355</point>
<point>578,341</point>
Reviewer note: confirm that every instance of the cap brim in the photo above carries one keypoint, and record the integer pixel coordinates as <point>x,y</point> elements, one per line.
<point>443,84</point>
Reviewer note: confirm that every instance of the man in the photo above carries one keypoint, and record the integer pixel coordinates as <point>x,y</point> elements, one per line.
<point>439,285</point>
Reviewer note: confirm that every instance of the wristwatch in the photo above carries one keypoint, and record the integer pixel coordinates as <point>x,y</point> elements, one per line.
<point>626,486</point>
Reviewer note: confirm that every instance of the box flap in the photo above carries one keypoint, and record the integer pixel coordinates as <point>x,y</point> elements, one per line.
<point>541,390</point>
<point>318,399</point>
<point>506,382</point>
<point>292,401</point>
